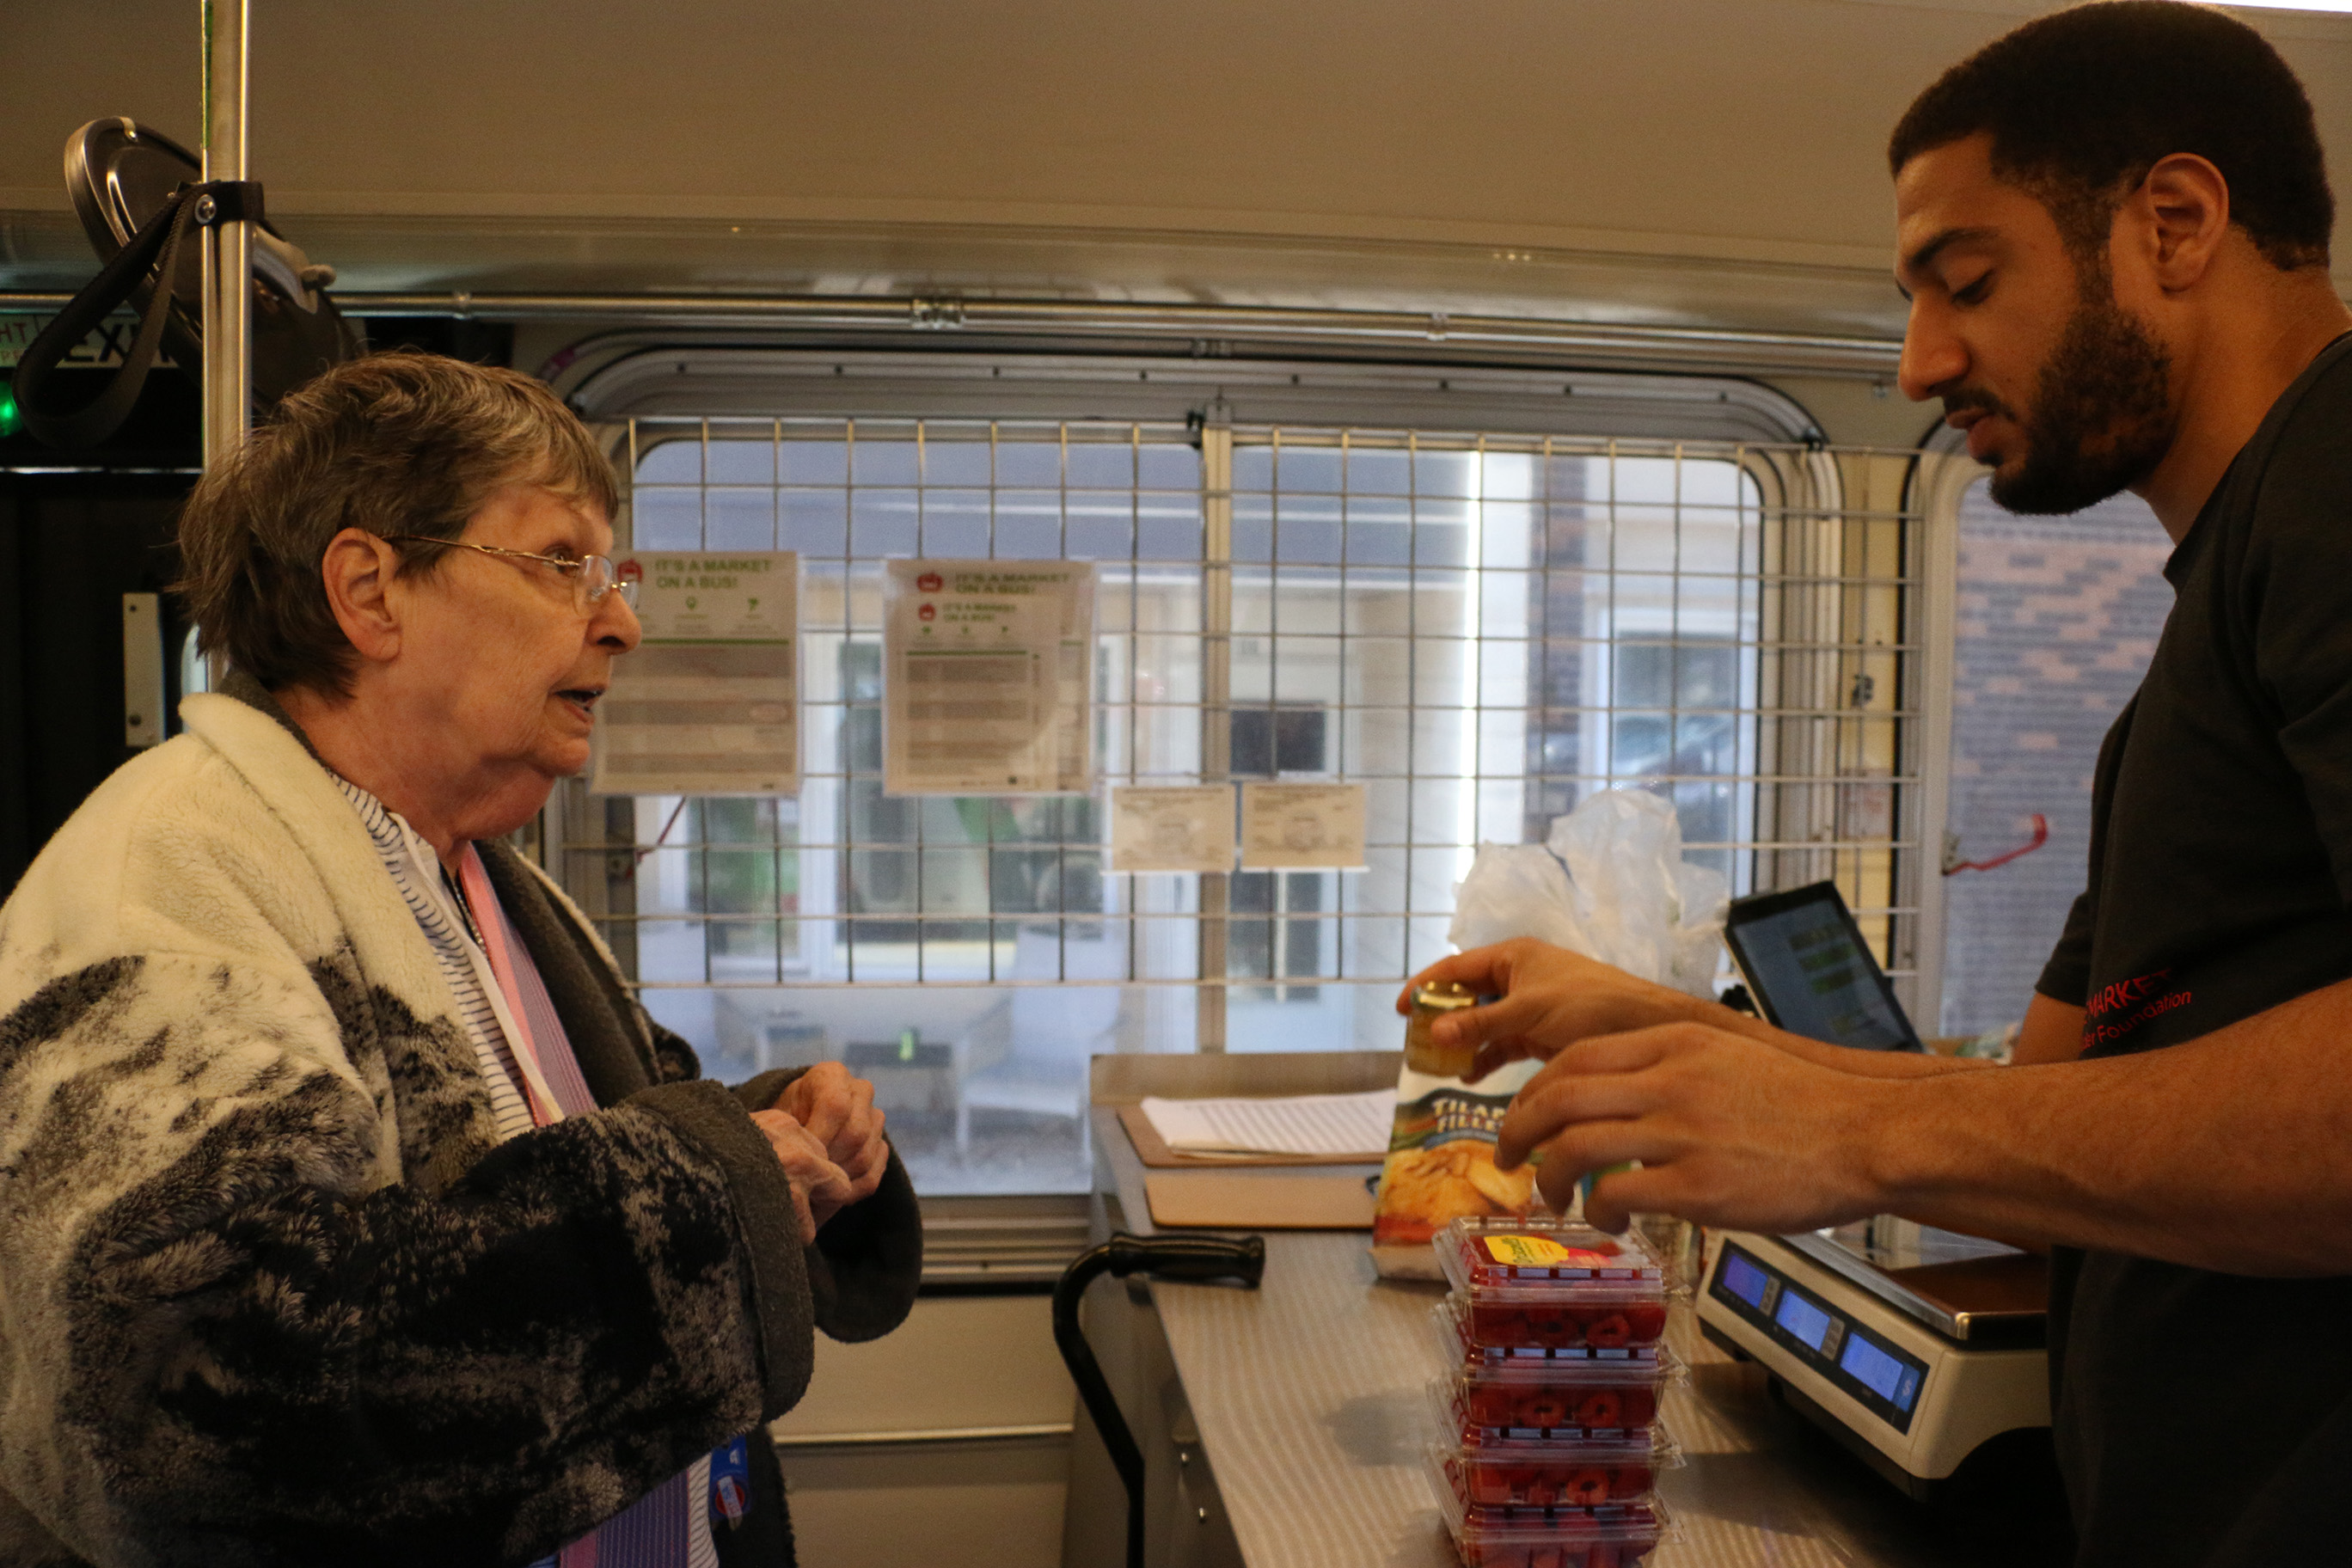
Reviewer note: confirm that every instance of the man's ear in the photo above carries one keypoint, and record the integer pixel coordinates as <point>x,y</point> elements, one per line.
<point>357,573</point>
<point>2182,209</point>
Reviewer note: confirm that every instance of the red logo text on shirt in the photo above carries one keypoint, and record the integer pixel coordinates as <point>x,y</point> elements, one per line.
<point>2115,1011</point>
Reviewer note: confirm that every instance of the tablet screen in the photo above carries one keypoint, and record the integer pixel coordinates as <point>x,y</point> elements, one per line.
<point>1805,961</point>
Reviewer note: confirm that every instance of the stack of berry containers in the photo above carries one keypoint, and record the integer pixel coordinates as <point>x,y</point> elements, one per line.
<point>1549,1442</point>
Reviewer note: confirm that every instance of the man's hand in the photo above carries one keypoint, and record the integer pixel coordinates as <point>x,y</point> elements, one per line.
<point>820,1188</point>
<point>839,1112</point>
<point>1547,998</point>
<point>1730,1131</point>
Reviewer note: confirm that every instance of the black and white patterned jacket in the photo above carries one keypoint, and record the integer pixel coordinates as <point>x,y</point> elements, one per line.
<point>272,1291</point>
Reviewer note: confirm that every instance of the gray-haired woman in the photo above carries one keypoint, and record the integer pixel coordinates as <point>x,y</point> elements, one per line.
<point>351,1208</point>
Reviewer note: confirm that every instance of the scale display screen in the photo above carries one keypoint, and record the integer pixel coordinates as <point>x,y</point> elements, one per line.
<point>1806,1323</point>
<point>1880,1373</point>
<point>1744,1281</point>
<point>1881,1377</point>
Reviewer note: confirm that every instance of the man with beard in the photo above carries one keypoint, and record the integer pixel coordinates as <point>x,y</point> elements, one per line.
<point>2113,225</point>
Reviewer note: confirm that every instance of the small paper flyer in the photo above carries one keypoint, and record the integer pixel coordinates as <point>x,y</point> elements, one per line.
<point>988,677</point>
<point>709,702</point>
<point>1171,827</point>
<point>1302,827</point>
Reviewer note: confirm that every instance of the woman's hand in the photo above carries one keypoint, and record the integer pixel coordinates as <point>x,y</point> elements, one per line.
<point>820,1188</point>
<point>839,1112</point>
<point>1547,998</point>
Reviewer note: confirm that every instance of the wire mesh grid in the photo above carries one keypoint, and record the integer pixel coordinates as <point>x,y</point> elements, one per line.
<point>1479,630</point>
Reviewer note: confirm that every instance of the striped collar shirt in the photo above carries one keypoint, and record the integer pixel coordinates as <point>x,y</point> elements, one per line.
<point>664,1528</point>
<point>415,870</point>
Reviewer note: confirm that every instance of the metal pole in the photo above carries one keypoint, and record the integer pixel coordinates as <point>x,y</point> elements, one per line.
<point>1216,703</point>
<point>228,266</point>
<point>1936,491</point>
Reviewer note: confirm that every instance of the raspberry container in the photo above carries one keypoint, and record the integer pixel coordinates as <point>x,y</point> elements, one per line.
<point>1562,1468</point>
<point>1559,1480</point>
<point>1612,1535</point>
<point>1551,1284</point>
<point>1551,1413</point>
<point>1573,1371</point>
<point>1483,1413</point>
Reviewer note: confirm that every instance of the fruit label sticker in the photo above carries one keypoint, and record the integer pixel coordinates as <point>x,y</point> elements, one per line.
<point>1540,1252</point>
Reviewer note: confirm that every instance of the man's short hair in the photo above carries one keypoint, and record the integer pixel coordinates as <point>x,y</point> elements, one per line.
<point>2081,103</point>
<point>394,443</point>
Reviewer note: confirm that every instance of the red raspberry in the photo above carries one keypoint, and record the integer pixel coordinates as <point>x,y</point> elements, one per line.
<point>1648,1321</point>
<point>1601,1408</point>
<point>1610,1331</point>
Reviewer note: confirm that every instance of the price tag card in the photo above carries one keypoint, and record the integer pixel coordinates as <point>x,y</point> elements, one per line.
<point>1302,827</point>
<point>988,677</point>
<point>1182,828</point>
<point>709,702</point>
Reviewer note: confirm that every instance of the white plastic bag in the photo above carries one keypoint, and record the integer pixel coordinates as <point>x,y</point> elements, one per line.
<point>1611,883</point>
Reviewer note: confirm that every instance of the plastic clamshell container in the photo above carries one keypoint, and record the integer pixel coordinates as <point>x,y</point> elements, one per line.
<point>1613,1535</point>
<point>1567,1366</point>
<point>1605,1417</point>
<point>1553,1284</point>
<point>1563,1325</point>
<point>1545,1254</point>
<point>1536,1477</point>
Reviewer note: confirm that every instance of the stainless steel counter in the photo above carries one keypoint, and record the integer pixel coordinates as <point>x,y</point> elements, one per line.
<point>1307,1396</point>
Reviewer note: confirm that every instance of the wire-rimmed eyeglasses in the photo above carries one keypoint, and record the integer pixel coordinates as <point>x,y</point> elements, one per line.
<point>593,576</point>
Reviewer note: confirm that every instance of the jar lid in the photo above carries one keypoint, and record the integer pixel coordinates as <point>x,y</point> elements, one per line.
<point>1444,996</point>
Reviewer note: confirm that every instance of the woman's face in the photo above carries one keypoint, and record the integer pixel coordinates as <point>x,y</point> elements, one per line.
<point>502,651</point>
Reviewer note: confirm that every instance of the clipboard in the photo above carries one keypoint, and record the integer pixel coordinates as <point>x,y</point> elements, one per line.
<point>1155,1153</point>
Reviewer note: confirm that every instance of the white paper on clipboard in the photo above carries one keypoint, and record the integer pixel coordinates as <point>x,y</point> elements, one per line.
<point>709,702</point>
<point>988,677</point>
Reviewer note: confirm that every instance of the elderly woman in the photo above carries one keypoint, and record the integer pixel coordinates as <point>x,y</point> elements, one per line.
<point>352,1210</point>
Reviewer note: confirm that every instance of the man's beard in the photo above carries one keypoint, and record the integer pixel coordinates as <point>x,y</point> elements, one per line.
<point>2102,417</point>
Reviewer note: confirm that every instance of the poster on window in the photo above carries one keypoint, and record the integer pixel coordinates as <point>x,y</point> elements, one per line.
<point>1302,828</point>
<point>1171,827</point>
<point>988,677</point>
<point>709,702</point>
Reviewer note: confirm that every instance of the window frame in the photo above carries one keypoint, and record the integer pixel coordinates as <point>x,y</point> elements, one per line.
<point>1803,484</point>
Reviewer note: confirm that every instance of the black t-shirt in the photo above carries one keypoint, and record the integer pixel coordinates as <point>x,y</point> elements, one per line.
<point>2205,1417</point>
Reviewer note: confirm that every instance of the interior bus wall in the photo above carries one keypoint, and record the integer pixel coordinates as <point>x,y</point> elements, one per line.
<point>71,545</point>
<point>1712,163</point>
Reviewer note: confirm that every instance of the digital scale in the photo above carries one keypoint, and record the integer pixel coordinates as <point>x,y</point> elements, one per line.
<point>1913,1347</point>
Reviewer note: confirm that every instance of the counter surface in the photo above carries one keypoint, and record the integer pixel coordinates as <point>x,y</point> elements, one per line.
<point>1311,1397</point>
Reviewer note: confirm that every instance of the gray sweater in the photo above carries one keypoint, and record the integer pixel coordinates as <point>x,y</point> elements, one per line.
<point>271,1289</point>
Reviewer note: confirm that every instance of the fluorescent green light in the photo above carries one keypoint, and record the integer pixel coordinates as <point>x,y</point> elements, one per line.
<point>12,418</point>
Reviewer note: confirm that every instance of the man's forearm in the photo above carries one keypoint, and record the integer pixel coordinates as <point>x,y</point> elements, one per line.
<point>1838,1059</point>
<point>2225,1152</point>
